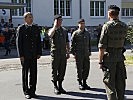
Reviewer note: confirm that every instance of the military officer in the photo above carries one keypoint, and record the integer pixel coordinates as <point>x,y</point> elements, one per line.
<point>111,58</point>
<point>29,49</point>
<point>81,49</point>
<point>59,53</point>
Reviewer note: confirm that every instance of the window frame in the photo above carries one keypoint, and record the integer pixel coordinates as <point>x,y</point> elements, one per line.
<point>18,10</point>
<point>125,12</point>
<point>99,9</point>
<point>59,8</point>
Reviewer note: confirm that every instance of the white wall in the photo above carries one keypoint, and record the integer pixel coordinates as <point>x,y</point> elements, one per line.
<point>127,0</point>
<point>75,15</point>
<point>43,12</point>
<point>91,21</point>
<point>7,15</point>
<point>114,2</point>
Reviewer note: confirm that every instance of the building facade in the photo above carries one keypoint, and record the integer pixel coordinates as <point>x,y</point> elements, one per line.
<point>93,11</point>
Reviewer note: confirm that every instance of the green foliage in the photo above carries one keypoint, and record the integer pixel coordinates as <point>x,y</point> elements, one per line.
<point>130,34</point>
<point>129,60</point>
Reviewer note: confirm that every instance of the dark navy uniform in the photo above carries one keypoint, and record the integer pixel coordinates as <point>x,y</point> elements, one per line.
<point>29,46</point>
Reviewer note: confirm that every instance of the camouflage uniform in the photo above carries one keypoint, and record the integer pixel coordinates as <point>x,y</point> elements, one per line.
<point>112,40</point>
<point>58,53</point>
<point>81,49</point>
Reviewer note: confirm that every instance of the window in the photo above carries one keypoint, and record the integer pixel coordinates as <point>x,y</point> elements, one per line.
<point>127,12</point>
<point>97,8</point>
<point>62,7</point>
<point>20,11</point>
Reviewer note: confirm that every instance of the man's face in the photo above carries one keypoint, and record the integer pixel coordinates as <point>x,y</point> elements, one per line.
<point>29,19</point>
<point>108,14</point>
<point>81,25</point>
<point>59,21</point>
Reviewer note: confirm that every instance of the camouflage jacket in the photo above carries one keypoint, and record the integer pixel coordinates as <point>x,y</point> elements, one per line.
<point>112,39</point>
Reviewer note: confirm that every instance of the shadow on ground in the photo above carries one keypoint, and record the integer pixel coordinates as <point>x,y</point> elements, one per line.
<point>14,54</point>
<point>90,95</point>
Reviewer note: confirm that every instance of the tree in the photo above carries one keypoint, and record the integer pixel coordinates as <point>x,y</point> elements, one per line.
<point>130,34</point>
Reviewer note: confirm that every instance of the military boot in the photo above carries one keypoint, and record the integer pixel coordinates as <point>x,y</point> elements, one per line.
<point>85,86</point>
<point>9,51</point>
<point>81,86</point>
<point>56,88</point>
<point>61,88</point>
<point>6,53</point>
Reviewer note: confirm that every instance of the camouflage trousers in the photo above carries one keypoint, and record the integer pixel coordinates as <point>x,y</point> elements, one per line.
<point>58,67</point>
<point>83,67</point>
<point>114,80</point>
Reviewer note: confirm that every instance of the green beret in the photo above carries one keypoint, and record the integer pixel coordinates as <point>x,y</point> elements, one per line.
<point>81,20</point>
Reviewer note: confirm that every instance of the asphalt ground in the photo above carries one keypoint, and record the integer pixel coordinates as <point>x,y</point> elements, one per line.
<point>11,83</point>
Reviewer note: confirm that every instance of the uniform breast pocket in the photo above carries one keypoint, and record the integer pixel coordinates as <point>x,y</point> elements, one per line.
<point>79,38</point>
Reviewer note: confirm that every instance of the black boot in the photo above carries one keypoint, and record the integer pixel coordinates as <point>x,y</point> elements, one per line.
<point>81,86</point>
<point>61,88</point>
<point>9,51</point>
<point>6,53</point>
<point>86,87</point>
<point>56,88</point>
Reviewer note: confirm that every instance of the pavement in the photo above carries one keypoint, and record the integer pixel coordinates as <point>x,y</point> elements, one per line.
<point>11,83</point>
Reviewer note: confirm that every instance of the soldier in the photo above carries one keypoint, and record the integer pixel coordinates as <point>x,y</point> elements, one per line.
<point>29,49</point>
<point>81,49</point>
<point>59,53</point>
<point>111,58</point>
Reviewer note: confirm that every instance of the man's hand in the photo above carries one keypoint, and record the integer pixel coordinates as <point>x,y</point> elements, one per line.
<point>38,56</point>
<point>52,30</point>
<point>55,23</point>
<point>22,59</point>
<point>101,54</point>
<point>100,65</point>
<point>67,55</point>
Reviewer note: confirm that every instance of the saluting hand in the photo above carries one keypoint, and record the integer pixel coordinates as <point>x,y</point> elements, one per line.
<point>55,23</point>
<point>67,55</point>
